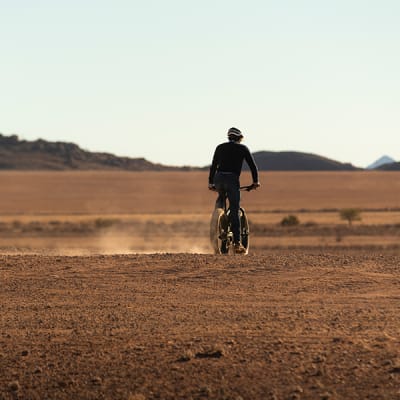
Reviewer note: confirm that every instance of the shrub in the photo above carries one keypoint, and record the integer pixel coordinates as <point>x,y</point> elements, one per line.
<point>290,220</point>
<point>101,223</point>
<point>310,224</point>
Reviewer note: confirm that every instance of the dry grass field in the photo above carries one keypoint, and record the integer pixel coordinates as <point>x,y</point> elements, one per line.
<point>103,192</point>
<point>311,313</point>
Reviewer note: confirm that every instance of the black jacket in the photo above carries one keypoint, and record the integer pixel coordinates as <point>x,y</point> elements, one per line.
<point>228,157</point>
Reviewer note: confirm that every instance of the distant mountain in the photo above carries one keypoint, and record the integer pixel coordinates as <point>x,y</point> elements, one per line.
<point>296,161</point>
<point>381,161</point>
<point>19,154</point>
<point>395,166</point>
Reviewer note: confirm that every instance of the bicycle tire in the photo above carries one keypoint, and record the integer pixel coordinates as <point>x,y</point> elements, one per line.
<point>218,231</point>
<point>244,230</point>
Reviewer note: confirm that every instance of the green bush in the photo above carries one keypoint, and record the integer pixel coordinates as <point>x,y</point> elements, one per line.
<point>290,220</point>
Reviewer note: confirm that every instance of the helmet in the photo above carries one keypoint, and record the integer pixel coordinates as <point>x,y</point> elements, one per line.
<point>235,133</point>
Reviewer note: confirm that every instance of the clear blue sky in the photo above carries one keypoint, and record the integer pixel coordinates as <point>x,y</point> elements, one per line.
<point>164,80</point>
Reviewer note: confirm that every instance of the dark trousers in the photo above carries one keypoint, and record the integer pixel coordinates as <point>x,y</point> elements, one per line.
<point>229,183</point>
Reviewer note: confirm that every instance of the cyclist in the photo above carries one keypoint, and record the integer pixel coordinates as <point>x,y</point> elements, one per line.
<point>224,178</point>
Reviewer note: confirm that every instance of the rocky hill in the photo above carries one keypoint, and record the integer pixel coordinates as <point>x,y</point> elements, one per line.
<point>16,154</point>
<point>395,166</point>
<point>297,161</point>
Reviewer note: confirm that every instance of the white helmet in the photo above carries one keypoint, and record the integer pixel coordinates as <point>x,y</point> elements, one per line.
<point>235,134</point>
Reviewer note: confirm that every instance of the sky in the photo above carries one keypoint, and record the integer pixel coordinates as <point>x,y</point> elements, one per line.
<point>165,80</point>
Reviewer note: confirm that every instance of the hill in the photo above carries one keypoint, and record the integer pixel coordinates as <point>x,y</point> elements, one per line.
<point>395,166</point>
<point>16,154</point>
<point>381,161</point>
<point>297,161</point>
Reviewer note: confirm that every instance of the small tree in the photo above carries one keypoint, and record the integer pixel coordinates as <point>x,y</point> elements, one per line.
<point>350,215</point>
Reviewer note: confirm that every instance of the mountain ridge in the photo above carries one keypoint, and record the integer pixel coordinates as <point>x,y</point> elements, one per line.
<point>17,154</point>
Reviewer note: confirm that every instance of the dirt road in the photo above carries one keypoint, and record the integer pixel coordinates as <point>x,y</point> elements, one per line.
<point>284,325</point>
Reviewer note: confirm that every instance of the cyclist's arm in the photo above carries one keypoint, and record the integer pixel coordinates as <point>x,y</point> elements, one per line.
<point>252,165</point>
<point>213,167</point>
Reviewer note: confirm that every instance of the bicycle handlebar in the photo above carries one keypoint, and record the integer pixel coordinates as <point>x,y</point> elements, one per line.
<point>247,188</point>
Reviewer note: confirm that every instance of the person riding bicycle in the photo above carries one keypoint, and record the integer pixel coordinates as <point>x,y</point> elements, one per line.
<point>224,178</point>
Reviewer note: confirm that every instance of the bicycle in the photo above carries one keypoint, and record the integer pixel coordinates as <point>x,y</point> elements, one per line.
<point>221,235</point>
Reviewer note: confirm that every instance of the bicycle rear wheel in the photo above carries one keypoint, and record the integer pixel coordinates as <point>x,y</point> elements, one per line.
<point>244,230</point>
<point>219,231</point>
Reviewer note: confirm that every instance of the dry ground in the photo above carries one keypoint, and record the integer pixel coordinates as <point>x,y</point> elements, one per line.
<point>312,313</point>
<point>283,325</point>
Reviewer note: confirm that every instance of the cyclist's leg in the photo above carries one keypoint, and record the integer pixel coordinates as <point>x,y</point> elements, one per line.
<point>221,187</point>
<point>233,190</point>
<point>220,201</point>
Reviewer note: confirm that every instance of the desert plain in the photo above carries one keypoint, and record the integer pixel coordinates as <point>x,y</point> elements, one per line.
<point>109,290</point>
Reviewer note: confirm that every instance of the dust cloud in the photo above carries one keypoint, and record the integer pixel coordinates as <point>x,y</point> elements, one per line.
<point>105,235</point>
<point>115,242</point>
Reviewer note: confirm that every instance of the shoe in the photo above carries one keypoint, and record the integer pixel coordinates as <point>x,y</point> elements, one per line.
<point>239,249</point>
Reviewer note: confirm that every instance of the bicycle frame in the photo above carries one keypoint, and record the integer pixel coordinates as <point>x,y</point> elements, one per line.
<point>225,196</point>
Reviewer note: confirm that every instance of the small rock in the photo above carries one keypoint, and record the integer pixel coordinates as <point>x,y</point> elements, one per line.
<point>14,386</point>
<point>62,384</point>
<point>317,385</point>
<point>210,354</point>
<point>186,356</point>
<point>319,359</point>
<point>97,381</point>
<point>205,391</point>
<point>297,389</point>
<point>24,353</point>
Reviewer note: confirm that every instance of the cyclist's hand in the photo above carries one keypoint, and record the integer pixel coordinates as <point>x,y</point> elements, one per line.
<point>211,187</point>
<point>255,185</point>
